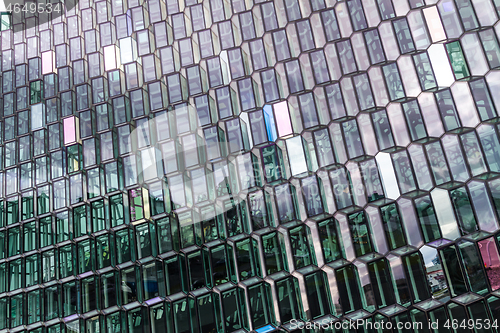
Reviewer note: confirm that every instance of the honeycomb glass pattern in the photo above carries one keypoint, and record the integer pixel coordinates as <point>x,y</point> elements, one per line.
<point>217,166</point>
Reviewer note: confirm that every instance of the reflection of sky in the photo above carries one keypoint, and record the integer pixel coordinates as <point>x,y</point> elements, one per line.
<point>446,218</point>
<point>296,155</point>
<point>387,174</point>
<point>429,254</point>
<point>441,65</point>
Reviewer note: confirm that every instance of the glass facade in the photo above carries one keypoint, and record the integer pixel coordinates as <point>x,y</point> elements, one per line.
<point>250,166</point>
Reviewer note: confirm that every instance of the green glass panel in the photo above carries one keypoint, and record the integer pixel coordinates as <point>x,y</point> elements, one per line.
<point>85,256</point>
<point>361,234</point>
<point>436,316</point>
<point>34,306</point>
<point>114,323</point>
<point>302,252</point>
<point>318,294</point>
<point>16,310</point>
<point>89,294</point>
<point>209,224</point>
<point>475,277</point>
<point>329,238</point>
<point>457,59</point>
<point>234,311</point>
<point>235,218</point>
<point>196,268</point>
<point>402,322</point>
<point>450,262</point>
<point>289,301</point>
<point>220,267</point>
<point>478,313</point>
<point>98,215</point>
<point>415,273</point>
<point>261,307</point>
<point>158,315</point>
<point>274,254</point>
<point>5,21</point>
<point>493,305</point>
<point>63,228</point>
<point>348,286</point>
<point>208,311</point>
<point>32,265</point>
<point>14,241</point>
<point>393,228</point>
<point>36,92</point>
<point>116,210</point>
<point>123,246</point>
<point>259,212</point>
<point>108,290</point>
<point>271,159</point>
<point>3,278</point>
<point>164,235</point>
<point>174,276</point>
<point>136,322</point>
<point>51,300</point>
<point>381,281</point>
<point>15,274</point>
<point>27,206</point>
<point>129,286</point>
<point>12,210</point>
<point>418,317</point>
<point>463,210</point>
<point>427,218</point>
<point>66,261</point>
<point>457,314</point>
<point>145,238</point>
<point>74,157</point>
<point>80,221</point>
<point>103,257</point>
<point>43,200</point>
<point>3,312</point>
<point>247,258</point>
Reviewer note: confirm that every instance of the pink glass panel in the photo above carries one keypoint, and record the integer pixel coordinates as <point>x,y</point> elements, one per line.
<point>47,62</point>
<point>491,260</point>
<point>69,130</point>
<point>283,119</point>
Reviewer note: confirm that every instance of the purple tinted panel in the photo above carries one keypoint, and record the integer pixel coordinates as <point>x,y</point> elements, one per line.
<point>491,260</point>
<point>69,130</point>
<point>283,119</point>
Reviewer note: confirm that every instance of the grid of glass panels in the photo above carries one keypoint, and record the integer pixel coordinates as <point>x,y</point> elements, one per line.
<point>349,166</point>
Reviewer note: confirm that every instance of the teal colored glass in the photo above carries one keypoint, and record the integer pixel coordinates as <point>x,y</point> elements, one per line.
<point>330,241</point>
<point>394,232</point>
<point>360,233</point>
<point>427,217</point>
<point>457,59</point>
